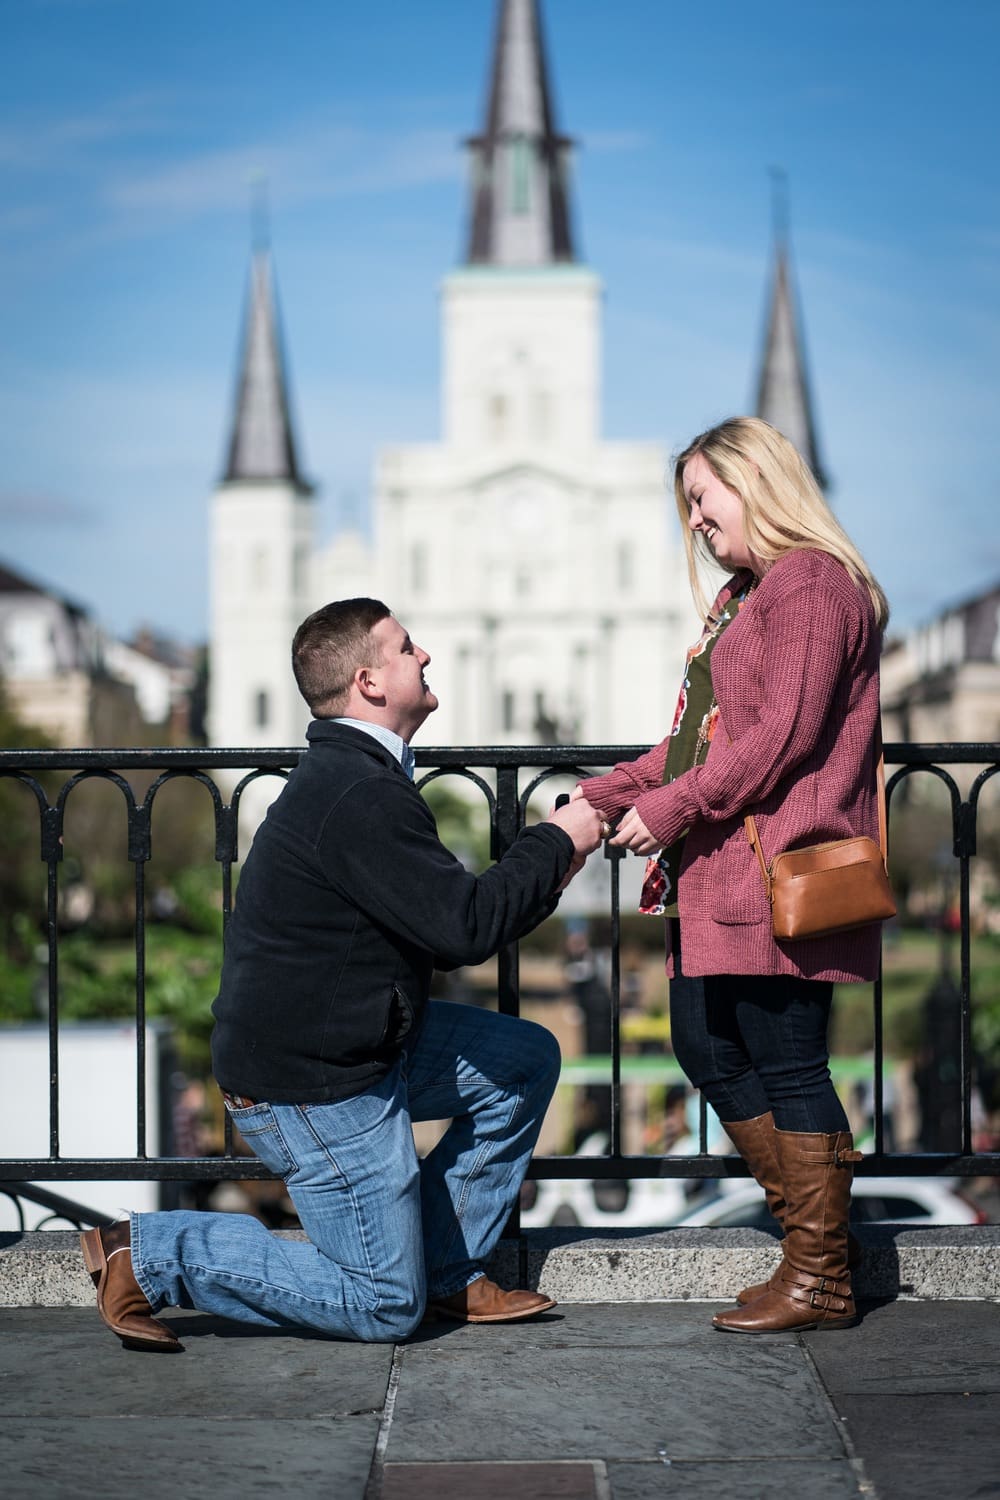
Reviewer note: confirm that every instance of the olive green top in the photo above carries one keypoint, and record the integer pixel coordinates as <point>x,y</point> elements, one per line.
<point>695,722</point>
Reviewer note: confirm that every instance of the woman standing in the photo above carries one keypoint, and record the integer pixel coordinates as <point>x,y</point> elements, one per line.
<point>778,717</point>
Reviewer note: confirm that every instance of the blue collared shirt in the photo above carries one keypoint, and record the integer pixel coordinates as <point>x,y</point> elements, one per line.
<point>393,742</point>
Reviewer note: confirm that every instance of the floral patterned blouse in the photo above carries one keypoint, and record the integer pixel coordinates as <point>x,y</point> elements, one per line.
<point>696,719</point>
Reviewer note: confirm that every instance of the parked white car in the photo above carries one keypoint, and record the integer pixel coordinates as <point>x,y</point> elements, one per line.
<point>893,1200</point>
<point>612,1203</point>
<point>726,1202</point>
<point>635,1203</point>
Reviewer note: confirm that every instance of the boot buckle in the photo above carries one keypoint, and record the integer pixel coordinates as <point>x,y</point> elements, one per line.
<point>827,1294</point>
<point>824,1302</point>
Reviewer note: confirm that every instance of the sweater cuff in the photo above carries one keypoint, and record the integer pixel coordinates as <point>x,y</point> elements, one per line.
<point>665,812</point>
<point>604,796</point>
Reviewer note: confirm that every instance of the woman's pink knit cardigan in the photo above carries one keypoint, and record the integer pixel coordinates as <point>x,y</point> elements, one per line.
<point>796,681</point>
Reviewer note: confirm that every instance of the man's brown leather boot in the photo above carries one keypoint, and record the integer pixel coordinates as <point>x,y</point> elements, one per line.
<point>482,1301</point>
<point>120,1299</point>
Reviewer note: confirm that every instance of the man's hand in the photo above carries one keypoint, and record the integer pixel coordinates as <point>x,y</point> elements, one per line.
<point>584,825</point>
<point>633,834</point>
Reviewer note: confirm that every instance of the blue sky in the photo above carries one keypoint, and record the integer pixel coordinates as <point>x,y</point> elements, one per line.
<point>129,131</point>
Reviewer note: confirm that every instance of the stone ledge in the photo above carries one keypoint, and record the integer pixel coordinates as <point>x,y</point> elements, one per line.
<point>45,1268</point>
<point>672,1265</point>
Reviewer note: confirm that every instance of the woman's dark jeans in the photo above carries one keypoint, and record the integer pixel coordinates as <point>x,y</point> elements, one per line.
<point>753,1043</point>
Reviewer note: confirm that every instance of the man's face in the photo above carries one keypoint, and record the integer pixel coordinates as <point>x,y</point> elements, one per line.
<point>400,678</point>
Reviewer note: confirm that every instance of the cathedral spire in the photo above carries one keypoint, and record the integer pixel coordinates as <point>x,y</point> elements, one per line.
<point>783,396</point>
<point>520,201</point>
<point>262,445</point>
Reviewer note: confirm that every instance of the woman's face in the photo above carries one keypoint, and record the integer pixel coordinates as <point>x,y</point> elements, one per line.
<point>717,512</point>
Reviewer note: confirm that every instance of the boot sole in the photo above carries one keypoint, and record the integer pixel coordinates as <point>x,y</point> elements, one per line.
<point>96,1262</point>
<point>435,1313</point>
<point>828,1323</point>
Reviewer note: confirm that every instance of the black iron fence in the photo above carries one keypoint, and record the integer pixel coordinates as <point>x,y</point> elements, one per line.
<point>506,779</point>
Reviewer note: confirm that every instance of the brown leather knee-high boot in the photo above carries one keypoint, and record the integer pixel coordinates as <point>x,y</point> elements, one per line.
<point>754,1140</point>
<point>812,1288</point>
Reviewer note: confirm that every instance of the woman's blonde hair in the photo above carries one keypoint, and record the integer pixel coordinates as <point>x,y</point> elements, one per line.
<point>783,508</point>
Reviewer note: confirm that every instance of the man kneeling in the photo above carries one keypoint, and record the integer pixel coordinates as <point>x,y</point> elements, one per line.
<point>327,1045</point>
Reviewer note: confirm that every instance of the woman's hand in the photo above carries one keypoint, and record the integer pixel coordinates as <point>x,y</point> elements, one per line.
<point>633,834</point>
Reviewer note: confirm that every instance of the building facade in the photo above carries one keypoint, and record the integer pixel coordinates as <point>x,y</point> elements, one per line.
<point>540,564</point>
<point>941,681</point>
<point>68,678</point>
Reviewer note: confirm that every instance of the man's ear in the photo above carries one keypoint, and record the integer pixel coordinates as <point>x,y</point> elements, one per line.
<point>366,684</point>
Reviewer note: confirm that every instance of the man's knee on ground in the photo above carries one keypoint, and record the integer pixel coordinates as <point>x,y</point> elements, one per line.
<point>399,1317</point>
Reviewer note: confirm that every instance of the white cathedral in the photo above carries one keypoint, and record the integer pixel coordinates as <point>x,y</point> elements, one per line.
<point>539,564</point>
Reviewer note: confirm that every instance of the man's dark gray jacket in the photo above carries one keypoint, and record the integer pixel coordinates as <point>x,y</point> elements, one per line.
<point>347,902</point>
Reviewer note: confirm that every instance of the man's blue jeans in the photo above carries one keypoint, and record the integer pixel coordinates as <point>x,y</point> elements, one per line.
<point>386,1230</point>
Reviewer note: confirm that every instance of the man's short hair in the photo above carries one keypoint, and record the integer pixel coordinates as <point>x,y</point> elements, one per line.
<point>328,649</point>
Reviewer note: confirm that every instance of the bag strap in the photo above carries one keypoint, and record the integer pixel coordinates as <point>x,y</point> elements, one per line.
<point>754,837</point>
<point>883,837</point>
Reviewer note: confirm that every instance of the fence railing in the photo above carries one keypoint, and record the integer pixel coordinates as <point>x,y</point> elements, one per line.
<point>506,779</point>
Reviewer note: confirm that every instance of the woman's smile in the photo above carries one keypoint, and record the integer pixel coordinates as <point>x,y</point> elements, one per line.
<point>716,512</point>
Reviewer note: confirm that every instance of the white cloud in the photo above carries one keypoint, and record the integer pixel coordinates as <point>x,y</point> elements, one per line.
<point>38,508</point>
<point>45,145</point>
<point>314,165</point>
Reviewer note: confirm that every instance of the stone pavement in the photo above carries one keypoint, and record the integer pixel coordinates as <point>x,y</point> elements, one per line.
<point>624,1401</point>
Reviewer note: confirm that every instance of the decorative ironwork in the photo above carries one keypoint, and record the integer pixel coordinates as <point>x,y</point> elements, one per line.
<point>510,776</point>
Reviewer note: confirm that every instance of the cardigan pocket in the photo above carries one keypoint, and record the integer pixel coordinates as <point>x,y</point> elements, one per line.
<point>735,892</point>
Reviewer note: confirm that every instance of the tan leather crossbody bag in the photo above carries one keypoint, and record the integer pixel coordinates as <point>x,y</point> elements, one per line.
<point>827,888</point>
